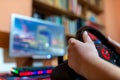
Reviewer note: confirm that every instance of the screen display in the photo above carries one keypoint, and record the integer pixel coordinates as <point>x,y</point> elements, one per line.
<point>31,36</point>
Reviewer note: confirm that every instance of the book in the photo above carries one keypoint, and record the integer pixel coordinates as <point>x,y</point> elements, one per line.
<point>57,3</point>
<point>38,15</point>
<point>92,2</point>
<point>55,19</point>
<point>72,27</point>
<point>64,4</point>
<point>79,10</point>
<point>65,22</point>
<point>70,5</point>
<point>80,23</point>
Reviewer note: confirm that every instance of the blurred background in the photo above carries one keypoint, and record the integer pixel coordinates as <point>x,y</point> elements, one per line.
<point>73,14</point>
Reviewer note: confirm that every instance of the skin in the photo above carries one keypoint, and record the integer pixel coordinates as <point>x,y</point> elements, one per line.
<point>115,44</point>
<point>83,58</point>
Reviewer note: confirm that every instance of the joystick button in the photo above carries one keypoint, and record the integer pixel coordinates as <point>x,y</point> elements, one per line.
<point>105,54</point>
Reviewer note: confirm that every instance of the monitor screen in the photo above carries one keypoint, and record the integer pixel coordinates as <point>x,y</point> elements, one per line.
<point>31,36</point>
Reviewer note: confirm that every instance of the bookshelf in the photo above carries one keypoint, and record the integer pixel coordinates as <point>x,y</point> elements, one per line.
<point>50,10</point>
<point>90,7</point>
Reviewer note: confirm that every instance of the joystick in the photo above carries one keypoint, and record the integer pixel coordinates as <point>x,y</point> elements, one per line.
<point>105,49</point>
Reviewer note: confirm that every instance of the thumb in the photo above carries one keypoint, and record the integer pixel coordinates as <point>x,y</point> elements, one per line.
<point>86,37</point>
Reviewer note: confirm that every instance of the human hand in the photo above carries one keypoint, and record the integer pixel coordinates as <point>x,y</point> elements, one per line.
<point>82,54</point>
<point>115,44</point>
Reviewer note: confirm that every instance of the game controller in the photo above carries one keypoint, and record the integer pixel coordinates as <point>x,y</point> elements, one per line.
<point>105,49</point>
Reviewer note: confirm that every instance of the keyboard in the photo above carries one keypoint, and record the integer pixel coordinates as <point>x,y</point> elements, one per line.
<point>32,71</point>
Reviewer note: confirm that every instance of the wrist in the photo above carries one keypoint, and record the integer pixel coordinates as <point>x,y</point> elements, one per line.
<point>91,67</point>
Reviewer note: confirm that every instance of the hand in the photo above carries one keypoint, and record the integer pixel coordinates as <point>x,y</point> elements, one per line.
<point>115,44</point>
<point>82,54</point>
<point>83,58</point>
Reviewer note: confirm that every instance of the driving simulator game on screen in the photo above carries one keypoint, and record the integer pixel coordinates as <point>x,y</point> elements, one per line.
<point>31,36</point>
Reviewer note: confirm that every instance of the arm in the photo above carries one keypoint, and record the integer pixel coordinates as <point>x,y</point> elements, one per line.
<point>102,70</point>
<point>115,44</point>
<point>84,59</point>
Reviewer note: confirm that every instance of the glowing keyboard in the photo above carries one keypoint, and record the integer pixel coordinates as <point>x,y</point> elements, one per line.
<point>32,71</point>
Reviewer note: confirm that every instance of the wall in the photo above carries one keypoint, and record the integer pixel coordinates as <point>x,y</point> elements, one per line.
<point>7,7</point>
<point>5,67</point>
<point>112,18</point>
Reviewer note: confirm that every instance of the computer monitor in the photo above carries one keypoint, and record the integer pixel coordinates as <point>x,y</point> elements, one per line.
<point>29,37</point>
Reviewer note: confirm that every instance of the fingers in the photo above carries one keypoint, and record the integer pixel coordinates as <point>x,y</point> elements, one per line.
<point>86,37</point>
<point>73,41</point>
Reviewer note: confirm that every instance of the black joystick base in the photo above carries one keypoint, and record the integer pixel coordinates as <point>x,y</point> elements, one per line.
<point>65,73</point>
